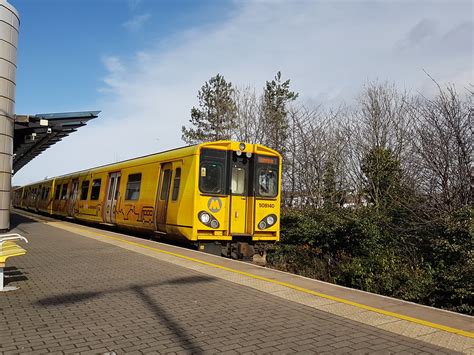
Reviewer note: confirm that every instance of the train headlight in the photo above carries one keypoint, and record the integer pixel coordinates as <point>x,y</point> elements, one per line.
<point>242,146</point>
<point>205,217</point>
<point>270,220</point>
<point>267,222</point>
<point>208,219</point>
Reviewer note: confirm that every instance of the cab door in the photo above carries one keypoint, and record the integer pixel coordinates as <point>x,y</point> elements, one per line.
<point>239,187</point>
<point>72,197</point>
<point>163,196</point>
<point>112,197</point>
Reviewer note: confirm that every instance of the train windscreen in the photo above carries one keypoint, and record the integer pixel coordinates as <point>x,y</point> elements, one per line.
<point>266,176</point>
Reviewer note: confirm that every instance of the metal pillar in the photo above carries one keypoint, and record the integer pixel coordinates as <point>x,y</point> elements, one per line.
<point>9,26</point>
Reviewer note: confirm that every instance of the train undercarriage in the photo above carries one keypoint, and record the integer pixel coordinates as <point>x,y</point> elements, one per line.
<point>238,250</point>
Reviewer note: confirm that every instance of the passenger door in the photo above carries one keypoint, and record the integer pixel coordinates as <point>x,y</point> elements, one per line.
<point>239,195</point>
<point>163,196</point>
<point>72,198</point>
<point>111,198</point>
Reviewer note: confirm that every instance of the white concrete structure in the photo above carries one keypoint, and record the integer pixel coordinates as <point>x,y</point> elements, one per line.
<point>9,26</point>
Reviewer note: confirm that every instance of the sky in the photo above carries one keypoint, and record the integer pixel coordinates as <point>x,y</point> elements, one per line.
<point>142,62</point>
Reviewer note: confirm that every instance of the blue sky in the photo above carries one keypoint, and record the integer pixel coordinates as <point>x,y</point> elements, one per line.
<point>63,43</point>
<point>141,62</point>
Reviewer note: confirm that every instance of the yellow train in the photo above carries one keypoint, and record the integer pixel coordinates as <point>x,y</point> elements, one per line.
<point>222,196</point>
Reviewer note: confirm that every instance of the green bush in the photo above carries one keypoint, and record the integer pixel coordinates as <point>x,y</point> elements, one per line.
<point>368,250</point>
<point>325,229</point>
<point>302,260</point>
<point>385,273</point>
<point>450,253</point>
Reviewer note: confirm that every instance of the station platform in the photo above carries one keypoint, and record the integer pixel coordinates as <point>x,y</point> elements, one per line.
<point>92,291</point>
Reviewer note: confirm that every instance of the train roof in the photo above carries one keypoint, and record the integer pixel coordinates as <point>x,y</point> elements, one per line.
<point>172,154</point>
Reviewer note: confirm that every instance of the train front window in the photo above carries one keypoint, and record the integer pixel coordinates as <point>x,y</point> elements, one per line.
<point>213,171</point>
<point>267,176</point>
<point>211,177</point>
<point>238,181</point>
<point>267,182</point>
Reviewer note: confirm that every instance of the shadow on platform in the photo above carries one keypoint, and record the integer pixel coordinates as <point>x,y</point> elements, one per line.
<point>16,220</point>
<point>13,274</point>
<point>182,337</point>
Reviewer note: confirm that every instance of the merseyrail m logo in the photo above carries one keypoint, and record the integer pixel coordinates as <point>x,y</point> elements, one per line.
<point>214,204</point>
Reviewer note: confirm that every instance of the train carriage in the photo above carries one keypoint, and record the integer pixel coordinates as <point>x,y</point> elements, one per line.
<point>223,196</point>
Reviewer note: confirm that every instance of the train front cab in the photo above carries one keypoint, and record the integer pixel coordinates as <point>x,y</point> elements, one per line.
<point>237,207</point>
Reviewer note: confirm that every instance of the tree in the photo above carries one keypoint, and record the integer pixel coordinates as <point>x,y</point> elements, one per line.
<point>276,97</point>
<point>330,197</point>
<point>249,124</point>
<point>382,177</point>
<point>381,120</point>
<point>216,115</point>
<point>443,150</point>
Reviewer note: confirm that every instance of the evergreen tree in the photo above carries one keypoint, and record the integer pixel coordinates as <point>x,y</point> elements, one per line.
<point>276,96</point>
<point>382,173</point>
<point>216,115</point>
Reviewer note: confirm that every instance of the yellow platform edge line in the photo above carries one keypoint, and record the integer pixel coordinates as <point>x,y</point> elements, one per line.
<point>285,284</point>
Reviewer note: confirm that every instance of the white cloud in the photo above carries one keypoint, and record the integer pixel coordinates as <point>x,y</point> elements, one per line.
<point>113,64</point>
<point>134,4</point>
<point>137,22</point>
<point>327,49</point>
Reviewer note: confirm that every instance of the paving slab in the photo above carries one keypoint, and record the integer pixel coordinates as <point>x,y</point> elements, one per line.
<point>81,295</point>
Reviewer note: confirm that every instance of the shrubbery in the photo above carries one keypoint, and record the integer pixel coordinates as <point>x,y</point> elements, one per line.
<point>357,248</point>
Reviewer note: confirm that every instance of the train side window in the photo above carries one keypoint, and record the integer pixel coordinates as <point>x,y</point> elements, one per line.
<point>133,187</point>
<point>47,193</point>
<point>64,192</point>
<point>58,192</point>
<point>165,186</point>
<point>211,177</point>
<point>176,183</point>
<point>95,191</point>
<point>117,189</point>
<point>85,189</point>
<point>111,188</point>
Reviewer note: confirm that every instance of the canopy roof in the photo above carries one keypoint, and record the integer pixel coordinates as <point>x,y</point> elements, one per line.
<point>36,133</point>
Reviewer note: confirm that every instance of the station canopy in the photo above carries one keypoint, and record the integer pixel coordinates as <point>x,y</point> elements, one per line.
<point>36,133</point>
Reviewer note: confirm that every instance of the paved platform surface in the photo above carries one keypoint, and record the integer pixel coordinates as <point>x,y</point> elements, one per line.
<point>80,295</point>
